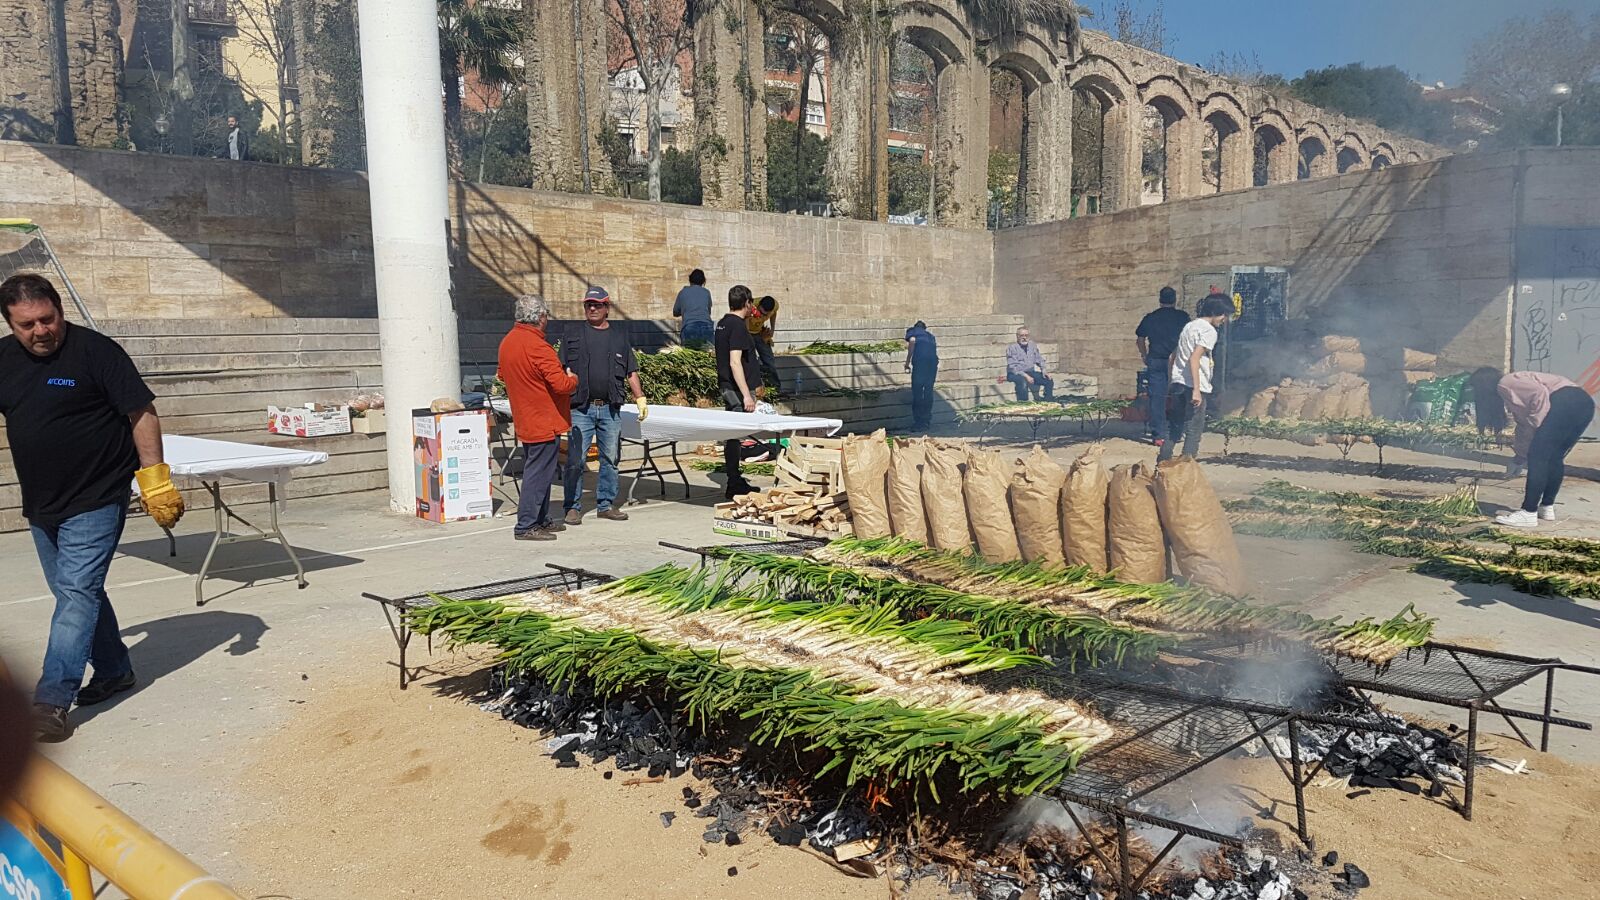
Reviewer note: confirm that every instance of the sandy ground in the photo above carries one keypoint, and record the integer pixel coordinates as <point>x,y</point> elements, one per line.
<point>270,744</point>
<point>375,792</point>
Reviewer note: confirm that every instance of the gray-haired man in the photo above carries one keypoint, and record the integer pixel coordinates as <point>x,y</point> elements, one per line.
<point>540,392</point>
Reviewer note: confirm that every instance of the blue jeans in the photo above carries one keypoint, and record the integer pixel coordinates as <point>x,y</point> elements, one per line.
<point>697,333</point>
<point>923,375</point>
<point>601,424</point>
<point>1042,384</point>
<point>76,556</point>
<point>1159,378</point>
<point>538,472</point>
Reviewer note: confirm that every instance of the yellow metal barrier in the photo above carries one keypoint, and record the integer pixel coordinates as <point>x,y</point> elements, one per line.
<point>96,835</point>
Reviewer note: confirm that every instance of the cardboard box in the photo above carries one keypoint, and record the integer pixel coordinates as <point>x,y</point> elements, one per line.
<point>310,420</point>
<point>453,472</point>
<point>373,421</point>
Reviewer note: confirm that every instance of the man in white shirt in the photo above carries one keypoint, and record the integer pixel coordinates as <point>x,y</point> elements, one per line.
<point>1190,372</point>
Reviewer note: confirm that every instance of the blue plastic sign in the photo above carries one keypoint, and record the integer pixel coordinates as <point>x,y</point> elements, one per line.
<point>24,873</point>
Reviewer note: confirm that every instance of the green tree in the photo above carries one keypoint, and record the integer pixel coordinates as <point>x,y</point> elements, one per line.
<point>680,177</point>
<point>794,182</point>
<point>481,38</point>
<point>909,177</point>
<point>494,144</point>
<point>1003,199</point>
<point>1383,95</point>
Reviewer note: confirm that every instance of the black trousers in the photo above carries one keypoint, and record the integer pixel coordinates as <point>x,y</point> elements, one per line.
<point>923,376</point>
<point>1571,411</point>
<point>732,402</point>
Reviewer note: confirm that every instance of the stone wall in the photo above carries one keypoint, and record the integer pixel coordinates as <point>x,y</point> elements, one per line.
<point>149,236</point>
<point>1419,255</point>
<point>28,96</point>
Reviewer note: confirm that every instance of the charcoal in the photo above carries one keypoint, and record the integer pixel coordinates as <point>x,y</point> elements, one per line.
<point>840,826</point>
<point>790,835</point>
<point>1355,877</point>
<point>693,802</point>
<point>732,871</point>
<point>1331,859</point>
<point>713,835</point>
<point>1354,794</point>
<point>732,839</point>
<point>607,774</point>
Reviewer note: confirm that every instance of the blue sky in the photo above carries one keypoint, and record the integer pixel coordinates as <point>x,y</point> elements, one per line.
<point>1427,38</point>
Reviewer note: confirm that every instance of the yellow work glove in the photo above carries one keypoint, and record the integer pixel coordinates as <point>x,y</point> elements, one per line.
<point>158,496</point>
<point>644,407</point>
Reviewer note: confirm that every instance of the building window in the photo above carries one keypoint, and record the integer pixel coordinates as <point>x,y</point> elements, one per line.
<point>816,114</point>
<point>208,55</point>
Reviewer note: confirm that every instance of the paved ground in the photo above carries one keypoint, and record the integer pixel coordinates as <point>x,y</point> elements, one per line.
<point>219,682</point>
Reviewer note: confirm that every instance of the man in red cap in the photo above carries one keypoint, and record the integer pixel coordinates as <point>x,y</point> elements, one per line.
<point>602,359</point>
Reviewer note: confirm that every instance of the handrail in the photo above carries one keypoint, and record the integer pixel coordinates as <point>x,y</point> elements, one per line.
<point>91,828</point>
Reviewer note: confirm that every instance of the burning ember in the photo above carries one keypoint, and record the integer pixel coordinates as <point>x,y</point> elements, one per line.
<point>747,796</point>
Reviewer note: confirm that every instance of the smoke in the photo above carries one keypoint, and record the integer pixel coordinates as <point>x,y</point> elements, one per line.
<point>1291,678</point>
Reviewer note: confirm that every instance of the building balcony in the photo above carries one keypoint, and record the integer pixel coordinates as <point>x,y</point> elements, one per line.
<point>210,14</point>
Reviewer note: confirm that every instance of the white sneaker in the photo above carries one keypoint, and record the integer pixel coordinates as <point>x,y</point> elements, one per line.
<point>1519,518</point>
<point>1547,513</point>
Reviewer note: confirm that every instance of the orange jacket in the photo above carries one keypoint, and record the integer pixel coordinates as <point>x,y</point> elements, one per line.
<point>539,389</point>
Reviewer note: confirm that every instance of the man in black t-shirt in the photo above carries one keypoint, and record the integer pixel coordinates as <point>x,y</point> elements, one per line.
<point>600,355</point>
<point>738,375</point>
<point>82,427</point>
<point>1157,337</point>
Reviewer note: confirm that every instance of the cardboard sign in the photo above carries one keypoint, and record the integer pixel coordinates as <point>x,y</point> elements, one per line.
<point>453,474</point>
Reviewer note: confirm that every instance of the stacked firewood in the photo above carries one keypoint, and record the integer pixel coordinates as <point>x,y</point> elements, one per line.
<point>793,511</point>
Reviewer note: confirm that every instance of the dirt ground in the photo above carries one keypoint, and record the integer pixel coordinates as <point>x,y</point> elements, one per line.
<point>375,792</point>
<point>369,791</point>
<point>380,792</point>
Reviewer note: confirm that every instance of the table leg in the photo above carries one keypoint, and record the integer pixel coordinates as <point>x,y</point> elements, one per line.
<point>218,514</point>
<point>683,476</point>
<point>299,570</point>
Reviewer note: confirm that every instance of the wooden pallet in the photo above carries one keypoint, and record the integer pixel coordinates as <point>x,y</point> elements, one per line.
<point>812,464</point>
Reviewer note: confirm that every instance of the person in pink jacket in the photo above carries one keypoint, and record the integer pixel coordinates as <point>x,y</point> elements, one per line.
<point>1551,414</point>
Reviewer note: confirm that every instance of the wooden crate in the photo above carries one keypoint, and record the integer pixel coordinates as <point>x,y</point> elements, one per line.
<point>814,464</point>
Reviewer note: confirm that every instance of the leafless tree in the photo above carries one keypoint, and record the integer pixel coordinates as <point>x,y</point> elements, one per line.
<point>657,32</point>
<point>1148,30</point>
<point>266,30</point>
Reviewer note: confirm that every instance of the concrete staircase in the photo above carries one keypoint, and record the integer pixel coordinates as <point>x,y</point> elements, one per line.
<point>215,378</point>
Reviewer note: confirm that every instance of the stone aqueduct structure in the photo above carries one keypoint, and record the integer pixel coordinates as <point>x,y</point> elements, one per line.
<point>1063,71</point>
<point>1058,65</point>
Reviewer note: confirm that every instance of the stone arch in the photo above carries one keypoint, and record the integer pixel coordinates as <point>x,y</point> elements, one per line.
<point>1383,155</point>
<point>1105,153</point>
<point>1227,143</point>
<point>1170,149</point>
<point>1043,178</point>
<point>1315,151</point>
<point>1351,153</point>
<point>958,144</point>
<point>1273,148</point>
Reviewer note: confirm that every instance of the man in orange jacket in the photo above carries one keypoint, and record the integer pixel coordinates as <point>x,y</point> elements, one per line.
<point>540,392</point>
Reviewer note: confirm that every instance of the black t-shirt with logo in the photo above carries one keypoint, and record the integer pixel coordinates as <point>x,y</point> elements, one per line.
<point>66,417</point>
<point>732,334</point>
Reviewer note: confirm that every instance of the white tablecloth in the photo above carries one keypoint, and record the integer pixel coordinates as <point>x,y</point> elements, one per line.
<point>688,423</point>
<point>209,460</point>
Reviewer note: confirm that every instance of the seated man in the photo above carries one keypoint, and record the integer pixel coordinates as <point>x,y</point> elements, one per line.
<point>1025,368</point>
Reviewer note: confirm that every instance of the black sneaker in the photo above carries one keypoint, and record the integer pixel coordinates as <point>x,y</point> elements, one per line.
<point>50,724</point>
<point>739,489</point>
<point>535,534</point>
<point>99,690</point>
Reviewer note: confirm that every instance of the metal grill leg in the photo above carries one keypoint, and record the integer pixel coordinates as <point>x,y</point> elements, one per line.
<point>1549,697</point>
<point>1472,755</point>
<point>1126,874</point>
<point>1299,785</point>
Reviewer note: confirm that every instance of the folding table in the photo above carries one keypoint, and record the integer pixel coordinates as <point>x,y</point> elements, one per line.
<point>209,461</point>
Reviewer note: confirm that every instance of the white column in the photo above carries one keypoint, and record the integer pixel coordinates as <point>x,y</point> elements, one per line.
<point>409,192</point>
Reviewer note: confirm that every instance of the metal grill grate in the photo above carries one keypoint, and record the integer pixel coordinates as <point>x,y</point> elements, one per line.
<point>566,579</point>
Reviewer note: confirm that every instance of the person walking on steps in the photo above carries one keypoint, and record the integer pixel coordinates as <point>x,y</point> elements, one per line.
<point>1157,338</point>
<point>693,306</point>
<point>1551,414</point>
<point>738,374</point>
<point>540,392</point>
<point>1190,372</point>
<point>922,361</point>
<point>82,426</point>
<point>1025,368</point>
<point>602,359</point>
